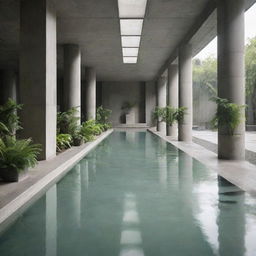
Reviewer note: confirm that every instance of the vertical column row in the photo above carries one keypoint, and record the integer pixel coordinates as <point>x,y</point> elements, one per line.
<point>38,68</point>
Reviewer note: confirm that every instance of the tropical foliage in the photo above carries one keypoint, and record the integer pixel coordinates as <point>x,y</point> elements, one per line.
<point>9,118</point>
<point>63,141</point>
<point>159,114</point>
<point>19,154</point>
<point>228,115</point>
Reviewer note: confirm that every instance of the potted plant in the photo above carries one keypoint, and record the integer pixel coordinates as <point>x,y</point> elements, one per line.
<point>180,113</point>
<point>170,115</point>
<point>228,115</point>
<point>16,156</point>
<point>127,107</point>
<point>159,114</point>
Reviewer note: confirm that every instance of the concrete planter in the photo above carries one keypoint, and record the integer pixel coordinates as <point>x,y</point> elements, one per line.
<point>9,174</point>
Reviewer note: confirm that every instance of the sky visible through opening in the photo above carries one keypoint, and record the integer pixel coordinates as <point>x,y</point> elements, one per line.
<point>250,31</point>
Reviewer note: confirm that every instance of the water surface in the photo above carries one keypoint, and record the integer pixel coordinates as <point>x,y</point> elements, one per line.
<point>136,195</point>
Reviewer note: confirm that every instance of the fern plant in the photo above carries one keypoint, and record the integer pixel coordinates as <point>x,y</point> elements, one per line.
<point>67,122</point>
<point>9,118</point>
<point>63,141</point>
<point>229,115</point>
<point>18,154</point>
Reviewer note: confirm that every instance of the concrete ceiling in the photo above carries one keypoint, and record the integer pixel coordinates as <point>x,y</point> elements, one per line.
<point>94,25</point>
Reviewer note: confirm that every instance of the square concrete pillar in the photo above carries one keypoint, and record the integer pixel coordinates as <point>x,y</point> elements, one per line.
<point>38,73</point>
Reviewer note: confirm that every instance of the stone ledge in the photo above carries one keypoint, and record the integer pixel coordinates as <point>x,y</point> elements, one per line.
<point>15,198</point>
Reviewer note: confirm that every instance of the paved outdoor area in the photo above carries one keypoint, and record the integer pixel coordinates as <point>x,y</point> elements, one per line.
<point>211,136</point>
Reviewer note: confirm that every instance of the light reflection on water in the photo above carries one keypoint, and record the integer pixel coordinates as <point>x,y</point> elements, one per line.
<point>136,195</point>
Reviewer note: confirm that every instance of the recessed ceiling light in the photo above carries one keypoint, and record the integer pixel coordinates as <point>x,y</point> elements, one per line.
<point>130,60</point>
<point>131,27</point>
<point>130,41</point>
<point>132,8</point>
<point>132,52</point>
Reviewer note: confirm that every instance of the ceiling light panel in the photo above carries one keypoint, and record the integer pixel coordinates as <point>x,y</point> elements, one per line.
<point>130,41</point>
<point>131,27</point>
<point>132,8</point>
<point>130,60</point>
<point>130,52</point>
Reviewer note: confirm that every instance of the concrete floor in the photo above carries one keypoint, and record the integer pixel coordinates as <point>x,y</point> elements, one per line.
<point>212,136</point>
<point>209,140</point>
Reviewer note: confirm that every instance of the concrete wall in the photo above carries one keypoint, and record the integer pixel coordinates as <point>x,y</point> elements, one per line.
<point>203,107</point>
<point>150,102</point>
<point>114,94</point>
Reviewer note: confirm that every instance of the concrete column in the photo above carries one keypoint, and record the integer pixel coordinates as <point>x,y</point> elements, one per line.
<point>89,94</point>
<point>8,86</point>
<point>185,92</point>
<point>172,96</point>
<point>72,78</point>
<point>38,73</point>
<point>231,78</point>
<point>161,101</point>
<point>150,102</point>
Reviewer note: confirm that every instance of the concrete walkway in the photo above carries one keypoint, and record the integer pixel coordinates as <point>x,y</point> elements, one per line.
<point>240,173</point>
<point>209,140</point>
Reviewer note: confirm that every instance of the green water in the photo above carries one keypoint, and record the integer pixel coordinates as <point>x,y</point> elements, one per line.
<point>136,195</point>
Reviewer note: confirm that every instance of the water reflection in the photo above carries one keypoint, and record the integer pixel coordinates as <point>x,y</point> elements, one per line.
<point>140,198</point>
<point>131,239</point>
<point>231,218</point>
<point>51,222</point>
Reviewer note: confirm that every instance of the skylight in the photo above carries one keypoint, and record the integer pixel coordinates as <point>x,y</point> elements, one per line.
<point>130,41</point>
<point>130,52</point>
<point>131,14</point>
<point>132,8</point>
<point>130,60</point>
<point>131,27</point>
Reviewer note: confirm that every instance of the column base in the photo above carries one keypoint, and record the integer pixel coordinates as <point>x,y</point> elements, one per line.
<point>161,127</point>
<point>172,131</point>
<point>231,147</point>
<point>185,132</point>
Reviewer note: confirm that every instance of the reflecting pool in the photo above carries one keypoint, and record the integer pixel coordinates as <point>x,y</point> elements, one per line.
<point>136,195</point>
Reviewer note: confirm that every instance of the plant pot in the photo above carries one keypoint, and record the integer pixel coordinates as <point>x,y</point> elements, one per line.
<point>9,174</point>
<point>78,141</point>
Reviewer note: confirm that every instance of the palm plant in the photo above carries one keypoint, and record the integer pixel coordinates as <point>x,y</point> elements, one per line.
<point>181,112</point>
<point>170,115</point>
<point>159,114</point>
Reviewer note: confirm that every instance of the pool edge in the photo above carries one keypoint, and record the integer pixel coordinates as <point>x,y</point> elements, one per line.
<point>240,173</point>
<point>12,210</point>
